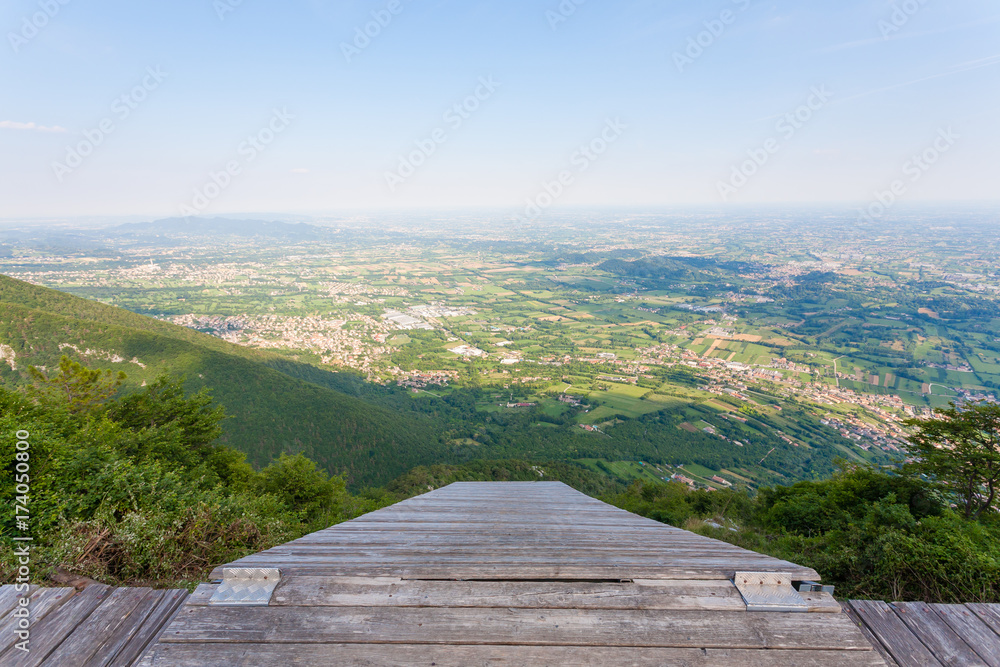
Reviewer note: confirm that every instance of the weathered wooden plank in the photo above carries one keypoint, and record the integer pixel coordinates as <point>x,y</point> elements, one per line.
<point>42,602</point>
<point>100,625</point>
<point>617,528</point>
<point>904,647</point>
<point>529,506</point>
<point>524,555</point>
<point>411,531</point>
<point>108,650</point>
<point>374,530</point>
<point>498,506</point>
<point>820,602</point>
<point>10,597</point>
<point>872,639</point>
<point>444,548</point>
<point>536,511</point>
<point>445,545</point>
<point>515,572</point>
<point>938,636</point>
<point>577,627</point>
<point>533,512</point>
<point>396,655</point>
<point>498,551</point>
<point>984,641</point>
<point>987,613</point>
<point>401,542</point>
<point>420,538</point>
<point>49,633</point>
<point>475,557</point>
<point>451,521</point>
<point>651,532</point>
<point>202,594</point>
<point>168,606</point>
<point>395,592</point>
<point>526,559</point>
<point>609,524</point>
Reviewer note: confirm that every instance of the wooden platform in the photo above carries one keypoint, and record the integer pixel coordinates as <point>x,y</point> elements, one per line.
<point>101,626</point>
<point>509,574</point>
<point>914,634</point>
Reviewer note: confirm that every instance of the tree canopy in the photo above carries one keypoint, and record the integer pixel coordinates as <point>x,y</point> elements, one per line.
<point>960,450</point>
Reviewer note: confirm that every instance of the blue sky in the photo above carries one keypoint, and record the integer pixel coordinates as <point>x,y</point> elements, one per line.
<point>331,129</point>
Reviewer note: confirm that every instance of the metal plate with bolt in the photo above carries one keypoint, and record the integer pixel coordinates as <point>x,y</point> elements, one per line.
<point>768,591</point>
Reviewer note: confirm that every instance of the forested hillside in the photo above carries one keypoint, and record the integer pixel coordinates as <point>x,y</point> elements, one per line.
<point>270,412</point>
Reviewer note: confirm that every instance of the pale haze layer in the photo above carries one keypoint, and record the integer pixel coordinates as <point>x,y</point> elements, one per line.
<point>211,107</point>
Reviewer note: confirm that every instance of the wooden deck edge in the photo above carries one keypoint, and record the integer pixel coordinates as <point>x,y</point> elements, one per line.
<point>877,645</point>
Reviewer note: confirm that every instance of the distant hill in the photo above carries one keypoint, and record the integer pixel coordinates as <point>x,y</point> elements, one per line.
<point>194,227</point>
<point>271,411</point>
<point>663,267</point>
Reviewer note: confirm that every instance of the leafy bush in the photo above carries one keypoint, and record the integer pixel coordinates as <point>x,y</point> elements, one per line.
<point>135,490</point>
<point>873,534</point>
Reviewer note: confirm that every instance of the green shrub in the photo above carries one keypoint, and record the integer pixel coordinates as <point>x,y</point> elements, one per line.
<point>871,533</point>
<point>137,491</point>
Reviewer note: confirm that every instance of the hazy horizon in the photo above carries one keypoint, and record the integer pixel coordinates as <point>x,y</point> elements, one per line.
<point>215,107</point>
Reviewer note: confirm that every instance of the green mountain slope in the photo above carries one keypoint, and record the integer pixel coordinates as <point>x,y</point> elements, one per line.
<point>271,412</point>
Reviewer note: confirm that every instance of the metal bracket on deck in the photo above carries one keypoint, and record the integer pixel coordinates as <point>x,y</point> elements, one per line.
<point>769,591</point>
<point>246,587</point>
<point>814,587</point>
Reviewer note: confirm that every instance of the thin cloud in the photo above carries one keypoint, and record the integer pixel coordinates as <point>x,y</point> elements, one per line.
<point>14,125</point>
<point>952,70</point>
<point>907,35</point>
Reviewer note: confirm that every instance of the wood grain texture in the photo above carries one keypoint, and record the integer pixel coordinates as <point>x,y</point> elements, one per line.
<point>10,597</point>
<point>984,641</point>
<point>41,603</point>
<point>872,639</point>
<point>202,594</point>
<point>98,628</point>
<point>987,613</point>
<point>49,633</point>
<point>395,592</point>
<point>398,655</point>
<point>515,572</point>
<point>155,623</point>
<point>904,646</point>
<point>946,645</point>
<point>578,627</point>
<point>109,648</point>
